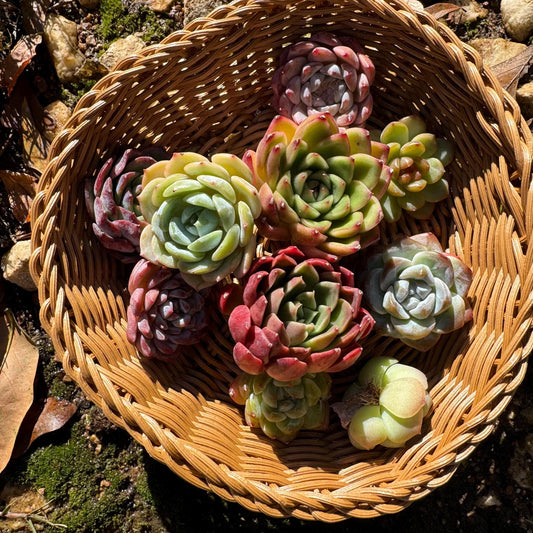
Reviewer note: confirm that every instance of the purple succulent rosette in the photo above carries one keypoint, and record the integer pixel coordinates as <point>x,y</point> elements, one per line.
<point>416,291</point>
<point>111,200</point>
<point>165,313</point>
<point>324,74</point>
<point>299,315</point>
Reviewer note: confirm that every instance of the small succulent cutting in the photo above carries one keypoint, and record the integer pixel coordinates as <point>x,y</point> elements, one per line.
<point>324,74</point>
<point>386,405</point>
<point>299,315</point>
<point>416,291</point>
<point>319,186</point>
<point>417,159</point>
<point>112,201</point>
<point>164,313</point>
<point>201,216</point>
<point>280,408</point>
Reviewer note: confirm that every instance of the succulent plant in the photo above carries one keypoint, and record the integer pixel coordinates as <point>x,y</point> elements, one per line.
<point>416,291</point>
<point>201,216</point>
<point>386,405</point>
<point>319,186</point>
<point>300,315</point>
<point>324,74</point>
<point>112,201</point>
<point>164,313</point>
<point>417,160</point>
<point>282,408</point>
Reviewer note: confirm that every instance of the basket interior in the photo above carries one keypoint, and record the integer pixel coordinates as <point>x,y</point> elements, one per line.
<point>207,89</point>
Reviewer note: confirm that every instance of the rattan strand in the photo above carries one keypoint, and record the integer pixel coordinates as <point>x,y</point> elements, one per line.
<point>206,88</point>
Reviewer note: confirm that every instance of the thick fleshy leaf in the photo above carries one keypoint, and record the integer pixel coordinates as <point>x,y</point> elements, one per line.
<point>403,397</point>
<point>366,429</point>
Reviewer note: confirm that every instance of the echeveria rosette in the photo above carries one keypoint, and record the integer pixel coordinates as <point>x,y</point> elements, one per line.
<point>417,292</point>
<point>324,74</point>
<point>299,315</point>
<point>319,186</point>
<point>283,408</point>
<point>417,159</point>
<point>386,405</point>
<point>165,313</point>
<point>112,201</point>
<point>201,216</point>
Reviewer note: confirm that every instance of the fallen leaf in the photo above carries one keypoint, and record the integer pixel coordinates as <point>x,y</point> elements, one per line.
<point>21,189</point>
<point>511,70</point>
<point>17,374</point>
<point>34,142</point>
<point>441,9</point>
<point>17,59</point>
<point>55,414</point>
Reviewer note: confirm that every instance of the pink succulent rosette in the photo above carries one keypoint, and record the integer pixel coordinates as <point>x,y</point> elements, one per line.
<point>165,313</point>
<point>324,74</point>
<point>299,315</point>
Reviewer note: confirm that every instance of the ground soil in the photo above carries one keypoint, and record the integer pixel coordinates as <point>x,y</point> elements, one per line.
<point>492,489</point>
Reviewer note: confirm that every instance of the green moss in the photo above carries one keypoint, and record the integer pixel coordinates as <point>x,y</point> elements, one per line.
<point>72,92</point>
<point>116,22</point>
<point>111,12</point>
<point>87,488</point>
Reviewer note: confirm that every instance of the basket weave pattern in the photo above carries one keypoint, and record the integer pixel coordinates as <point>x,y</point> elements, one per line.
<point>207,89</point>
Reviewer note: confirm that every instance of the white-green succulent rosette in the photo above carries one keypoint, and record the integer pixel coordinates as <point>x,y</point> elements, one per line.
<point>200,216</point>
<point>386,405</point>
<point>416,292</point>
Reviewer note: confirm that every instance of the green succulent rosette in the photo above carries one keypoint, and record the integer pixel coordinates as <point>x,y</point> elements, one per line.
<point>417,159</point>
<point>319,185</point>
<point>283,408</point>
<point>416,291</point>
<point>386,405</point>
<point>200,216</point>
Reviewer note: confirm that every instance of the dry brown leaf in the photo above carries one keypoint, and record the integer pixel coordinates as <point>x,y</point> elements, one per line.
<point>17,59</point>
<point>442,9</point>
<point>21,190</point>
<point>34,142</point>
<point>55,414</point>
<point>511,70</point>
<point>17,375</point>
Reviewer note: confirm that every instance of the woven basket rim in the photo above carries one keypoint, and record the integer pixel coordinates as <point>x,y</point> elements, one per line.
<point>335,502</point>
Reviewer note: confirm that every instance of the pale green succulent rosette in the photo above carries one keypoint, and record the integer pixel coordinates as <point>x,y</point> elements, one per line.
<point>416,291</point>
<point>417,159</point>
<point>200,216</point>
<point>386,405</point>
<point>283,408</point>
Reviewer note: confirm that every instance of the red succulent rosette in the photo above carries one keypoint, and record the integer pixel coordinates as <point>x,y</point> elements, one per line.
<point>298,315</point>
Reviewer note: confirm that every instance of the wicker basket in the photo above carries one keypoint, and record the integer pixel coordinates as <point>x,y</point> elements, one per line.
<point>207,89</point>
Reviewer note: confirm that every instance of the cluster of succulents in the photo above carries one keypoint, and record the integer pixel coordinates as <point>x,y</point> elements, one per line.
<point>316,189</point>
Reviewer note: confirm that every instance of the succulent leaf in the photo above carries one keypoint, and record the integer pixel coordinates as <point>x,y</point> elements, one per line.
<point>200,216</point>
<point>112,201</point>
<point>417,159</point>
<point>307,308</point>
<point>416,291</point>
<point>320,196</point>
<point>165,313</point>
<point>282,408</point>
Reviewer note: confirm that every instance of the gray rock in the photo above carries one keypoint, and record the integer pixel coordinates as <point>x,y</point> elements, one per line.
<point>120,49</point>
<point>494,51</point>
<point>517,16</point>
<point>15,265</point>
<point>61,37</point>
<point>199,8</point>
<point>470,11</point>
<point>58,114</point>
<point>524,97</point>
